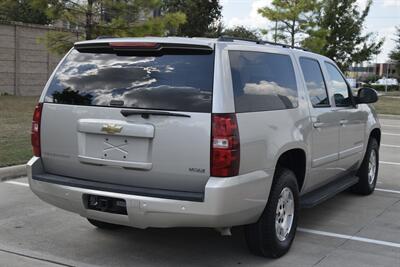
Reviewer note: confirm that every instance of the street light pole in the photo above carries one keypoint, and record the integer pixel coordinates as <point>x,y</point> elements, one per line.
<point>387,74</point>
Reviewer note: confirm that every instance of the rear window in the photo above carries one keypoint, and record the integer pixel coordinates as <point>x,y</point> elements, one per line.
<point>262,81</point>
<point>181,82</point>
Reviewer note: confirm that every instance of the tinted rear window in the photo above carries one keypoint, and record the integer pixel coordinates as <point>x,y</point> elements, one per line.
<point>262,81</point>
<point>167,82</point>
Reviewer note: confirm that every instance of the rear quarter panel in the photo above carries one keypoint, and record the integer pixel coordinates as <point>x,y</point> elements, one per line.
<point>265,136</point>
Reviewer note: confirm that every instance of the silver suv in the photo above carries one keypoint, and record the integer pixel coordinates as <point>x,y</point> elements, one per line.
<point>194,132</point>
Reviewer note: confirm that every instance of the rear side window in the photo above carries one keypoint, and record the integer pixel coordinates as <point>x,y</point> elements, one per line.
<point>262,81</point>
<point>181,82</point>
<point>315,82</point>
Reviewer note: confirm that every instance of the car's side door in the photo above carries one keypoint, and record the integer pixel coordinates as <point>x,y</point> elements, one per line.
<point>352,120</point>
<point>325,125</point>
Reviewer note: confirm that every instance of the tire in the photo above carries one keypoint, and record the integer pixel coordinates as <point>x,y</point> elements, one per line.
<point>104,225</point>
<point>262,237</point>
<point>366,184</point>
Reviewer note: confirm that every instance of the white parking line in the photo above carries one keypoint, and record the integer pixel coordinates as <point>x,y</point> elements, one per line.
<point>394,134</point>
<point>387,190</point>
<point>385,145</point>
<point>17,183</point>
<point>388,162</point>
<point>349,237</point>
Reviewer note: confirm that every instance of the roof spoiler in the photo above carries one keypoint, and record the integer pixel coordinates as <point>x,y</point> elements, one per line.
<point>136,47</point>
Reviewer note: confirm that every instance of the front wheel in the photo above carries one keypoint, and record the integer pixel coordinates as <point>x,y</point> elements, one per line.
<point>368,172</point>
<point>272,235</point>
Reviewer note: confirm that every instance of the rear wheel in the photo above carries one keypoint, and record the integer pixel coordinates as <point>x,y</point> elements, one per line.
<point>368,172</point>
<point>273,234</point>
<point>104,225</point>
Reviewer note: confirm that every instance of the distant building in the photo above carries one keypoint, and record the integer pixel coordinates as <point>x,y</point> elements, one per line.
<point>376,69</point>
<point>358,72</point>
<point>387,70</point>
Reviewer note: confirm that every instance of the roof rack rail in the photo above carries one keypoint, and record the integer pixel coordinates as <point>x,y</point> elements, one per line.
<point>105,37</point>
<point>285,45</point>
<point>226,38</point>
<point>262,42</point>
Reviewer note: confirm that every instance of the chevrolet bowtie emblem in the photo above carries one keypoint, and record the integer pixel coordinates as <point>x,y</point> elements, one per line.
<point>111,128</point>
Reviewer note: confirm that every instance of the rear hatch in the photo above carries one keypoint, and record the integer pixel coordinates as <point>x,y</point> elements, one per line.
<point>131,114</point>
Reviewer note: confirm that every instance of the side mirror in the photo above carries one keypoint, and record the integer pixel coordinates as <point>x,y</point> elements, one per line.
<point>366,95</point>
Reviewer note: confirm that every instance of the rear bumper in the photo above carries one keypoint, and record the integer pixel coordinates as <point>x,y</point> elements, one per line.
<point>227,202</point>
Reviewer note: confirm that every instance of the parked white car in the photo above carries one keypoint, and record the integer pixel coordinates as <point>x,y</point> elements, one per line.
<point>386,81</point>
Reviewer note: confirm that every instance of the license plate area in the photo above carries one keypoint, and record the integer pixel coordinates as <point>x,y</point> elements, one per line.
<point>128,148</point>
<point>105,204</point>
<point>117,148</point>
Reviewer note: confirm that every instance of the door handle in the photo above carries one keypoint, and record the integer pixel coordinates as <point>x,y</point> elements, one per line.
<point>343,122</point>
<point>318,124</point>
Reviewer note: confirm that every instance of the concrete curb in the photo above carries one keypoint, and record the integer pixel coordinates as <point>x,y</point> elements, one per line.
<point>389,116</point>
<point>12,172</point>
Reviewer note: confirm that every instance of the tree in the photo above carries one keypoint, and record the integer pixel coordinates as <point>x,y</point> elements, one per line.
<point>27,11</point>
<point>115,17</point>
<point>119,18</point>
<point>292,19</point>
<point>203,16</point>
<point>242,32</point>
<point>346,42</point>
<point>395,53</point>
<point>316,41</point>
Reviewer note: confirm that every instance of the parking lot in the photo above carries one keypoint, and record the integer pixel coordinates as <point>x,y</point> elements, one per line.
<point>347,230</point>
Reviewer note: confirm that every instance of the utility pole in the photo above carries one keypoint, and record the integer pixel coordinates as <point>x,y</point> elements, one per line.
<point>276,31</point>
<point>387,75</point>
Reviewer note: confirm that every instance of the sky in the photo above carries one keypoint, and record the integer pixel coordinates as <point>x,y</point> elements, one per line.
<point>384,15</point>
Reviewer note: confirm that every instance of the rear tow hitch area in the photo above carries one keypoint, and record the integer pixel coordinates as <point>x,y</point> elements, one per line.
<point>224,231</point>
<point>105,204</point>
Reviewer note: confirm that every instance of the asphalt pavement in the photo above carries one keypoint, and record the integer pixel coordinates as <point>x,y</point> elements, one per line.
<point>347,230</point>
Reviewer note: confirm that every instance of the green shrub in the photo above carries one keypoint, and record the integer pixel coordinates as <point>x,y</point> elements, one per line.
<point>382,87</point>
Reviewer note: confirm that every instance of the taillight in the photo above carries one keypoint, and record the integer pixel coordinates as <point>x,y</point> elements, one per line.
<point>133,45</point>
<point>35,133</point>
<point>225,145</point>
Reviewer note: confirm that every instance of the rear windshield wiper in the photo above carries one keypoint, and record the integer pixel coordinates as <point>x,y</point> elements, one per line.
<point>146,113</point>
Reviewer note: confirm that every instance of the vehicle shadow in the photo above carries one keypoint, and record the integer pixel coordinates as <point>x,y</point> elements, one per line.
<point>178,247</point>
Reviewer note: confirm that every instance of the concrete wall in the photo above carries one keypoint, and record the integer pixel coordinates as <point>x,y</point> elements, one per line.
<point>25,65</point>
